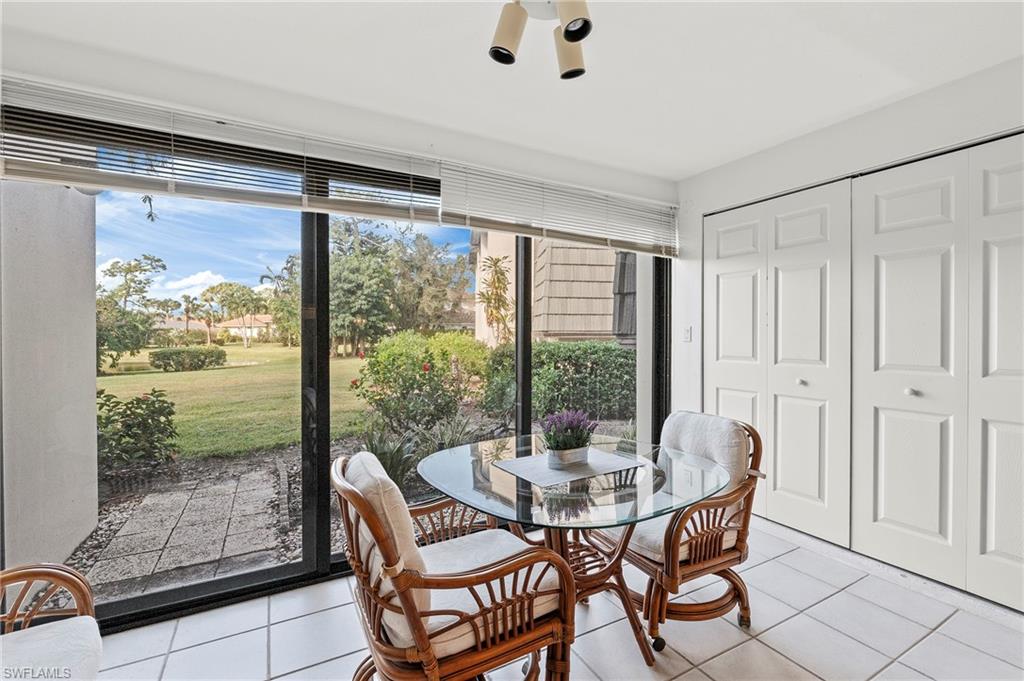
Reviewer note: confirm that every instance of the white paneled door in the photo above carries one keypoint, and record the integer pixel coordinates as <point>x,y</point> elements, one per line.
<point>995,428</point>
<point>777,347</point>
<point>910,365</point>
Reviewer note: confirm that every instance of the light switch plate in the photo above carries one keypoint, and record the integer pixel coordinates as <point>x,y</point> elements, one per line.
<point>688,334</point>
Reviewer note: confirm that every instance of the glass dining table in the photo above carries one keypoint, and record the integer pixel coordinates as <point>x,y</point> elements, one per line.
<point>587,516</point>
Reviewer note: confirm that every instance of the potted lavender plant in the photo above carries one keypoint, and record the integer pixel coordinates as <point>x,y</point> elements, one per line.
<point>567,436</point>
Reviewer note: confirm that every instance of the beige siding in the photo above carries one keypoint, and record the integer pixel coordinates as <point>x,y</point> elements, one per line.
<point>572,290</point>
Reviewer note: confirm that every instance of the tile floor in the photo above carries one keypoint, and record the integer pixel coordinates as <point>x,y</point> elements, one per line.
<point>819,612</point>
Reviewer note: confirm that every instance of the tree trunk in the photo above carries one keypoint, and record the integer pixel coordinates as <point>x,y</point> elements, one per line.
<point>209,333</point>
<point>186,323</point>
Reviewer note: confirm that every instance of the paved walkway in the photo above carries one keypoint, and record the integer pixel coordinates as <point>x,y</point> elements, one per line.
<point>194,531</point>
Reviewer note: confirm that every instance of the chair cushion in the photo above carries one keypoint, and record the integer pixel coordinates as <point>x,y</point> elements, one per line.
<point>73,644</point>
<point>470,553</point>
<point>714,437</point>
<point>649,538</point>
<point>365,473</point>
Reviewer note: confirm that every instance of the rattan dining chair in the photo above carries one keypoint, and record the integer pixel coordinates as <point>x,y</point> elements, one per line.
<point>706,538</point>
<point>443,595</point>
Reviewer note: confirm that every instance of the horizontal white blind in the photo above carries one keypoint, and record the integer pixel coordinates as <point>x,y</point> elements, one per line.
<point>492,200</point>
<point>53,134</point>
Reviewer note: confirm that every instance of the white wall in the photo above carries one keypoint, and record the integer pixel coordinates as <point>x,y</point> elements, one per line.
<point>48,355</point>
<point>984,103</point>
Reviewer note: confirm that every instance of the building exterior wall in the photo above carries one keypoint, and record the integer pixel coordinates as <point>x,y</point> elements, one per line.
<point>48,359</point>
<point>572,290</point>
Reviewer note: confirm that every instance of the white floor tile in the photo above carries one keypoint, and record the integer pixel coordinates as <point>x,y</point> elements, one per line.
<point>312,639</point>
<point>915,606</point>
<point>340,668</point>
<point>765,611</point>
<point>870,624</point>
<point>136,644</point>
<point>700,641</point>
<point>754,661</point>
<point>147,670</point>
<point>827,570</point>
<point>942,658</point>
<point>221,622</point>
<point>790,586</point>
<point>768,544</point>
<point>899,672</point>
<point>754,558</point>
<point>242,656</point>
<point>514,671</point>
<point>977,632</point>
<point>613,654</point>
<point>601,610</point>
<point>307,599</point>
<point>695,675</point>
<point>636,580</point>
<point>823,650</point>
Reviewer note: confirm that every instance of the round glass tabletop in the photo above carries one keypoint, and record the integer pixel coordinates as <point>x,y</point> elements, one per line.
<point>623,481</point>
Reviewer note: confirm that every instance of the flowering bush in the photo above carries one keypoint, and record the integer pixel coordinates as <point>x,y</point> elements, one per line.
<point>406,386</point>
<point>135,429</point>
<point>567,429</point>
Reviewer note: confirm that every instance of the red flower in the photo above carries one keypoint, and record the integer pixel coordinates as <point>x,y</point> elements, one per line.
<point>362,355</point>
<point>426,366</point>
<point>355,382</point>
<point>145,396</point>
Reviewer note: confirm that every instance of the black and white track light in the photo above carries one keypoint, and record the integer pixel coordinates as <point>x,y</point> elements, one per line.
<point>509,33</point>
<point>575,20</point>
<point>574,25</point>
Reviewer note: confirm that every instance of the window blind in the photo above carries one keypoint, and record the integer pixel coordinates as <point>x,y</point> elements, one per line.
<point>493,200</point>
<point>55,134</point>
<point>50,134</point>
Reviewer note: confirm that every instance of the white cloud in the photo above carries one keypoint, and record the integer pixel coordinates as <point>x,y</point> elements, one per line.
<point>192,285</point>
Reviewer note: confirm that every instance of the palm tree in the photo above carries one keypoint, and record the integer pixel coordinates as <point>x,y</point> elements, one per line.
<point>189,307</point>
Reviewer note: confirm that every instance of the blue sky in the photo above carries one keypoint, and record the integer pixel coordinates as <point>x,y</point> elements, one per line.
<point>205,242</point>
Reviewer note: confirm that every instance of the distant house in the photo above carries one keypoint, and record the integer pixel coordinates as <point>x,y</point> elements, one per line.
<point>175,323</point>
<point>251,326</point>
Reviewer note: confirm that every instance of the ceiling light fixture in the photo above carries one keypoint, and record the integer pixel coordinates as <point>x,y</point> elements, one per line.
<point>574,25</point>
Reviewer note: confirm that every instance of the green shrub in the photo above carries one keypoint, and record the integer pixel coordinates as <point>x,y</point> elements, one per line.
<point>406,386</point>
<point>191,358</point>
<point>136,429</point>
<point>598,377</point>
<point>463,355</point>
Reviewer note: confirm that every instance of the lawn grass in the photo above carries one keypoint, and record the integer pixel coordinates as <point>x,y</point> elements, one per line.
<point>250,405</point>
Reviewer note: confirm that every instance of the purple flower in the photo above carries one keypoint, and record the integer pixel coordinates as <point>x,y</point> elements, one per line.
<point>567,429</point>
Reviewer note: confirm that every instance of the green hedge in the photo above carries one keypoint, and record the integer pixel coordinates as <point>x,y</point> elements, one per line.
<point>190,358</point>
<point>598,377</point>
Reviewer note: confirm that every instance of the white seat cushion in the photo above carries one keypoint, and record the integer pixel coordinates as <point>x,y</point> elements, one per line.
<point>470,553</point>
<point>365,473</point>
<point>71,644</point>
<point>649,538</point>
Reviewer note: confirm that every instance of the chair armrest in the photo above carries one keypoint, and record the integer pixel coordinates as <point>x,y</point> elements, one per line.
<point>502,587</point>
<point>29,602</point>
<point>704,523</point>
<point>446,519</point>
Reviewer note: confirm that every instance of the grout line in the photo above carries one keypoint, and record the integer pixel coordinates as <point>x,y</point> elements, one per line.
<point>310,666</point>
<point>167,654</point>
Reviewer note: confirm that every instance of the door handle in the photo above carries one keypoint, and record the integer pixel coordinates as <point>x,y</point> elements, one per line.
<point>801,381</point>
<point>911,392</point>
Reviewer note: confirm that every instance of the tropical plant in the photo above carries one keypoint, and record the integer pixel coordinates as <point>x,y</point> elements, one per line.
<point>189,307</point>
<point>119,331</point>
<point>396,453</point>
<point>134,279</point>
<point>499,308</point>
<point>568,429</point>
<point>285,300</point>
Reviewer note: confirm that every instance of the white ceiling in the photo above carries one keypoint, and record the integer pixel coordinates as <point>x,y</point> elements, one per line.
<point>672,88</point>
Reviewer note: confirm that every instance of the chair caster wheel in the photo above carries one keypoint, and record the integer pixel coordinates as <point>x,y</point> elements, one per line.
<point>744,621</point>
<point>658,643</point>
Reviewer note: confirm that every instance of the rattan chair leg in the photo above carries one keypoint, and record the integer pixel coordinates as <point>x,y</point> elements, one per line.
<point>365,670</point>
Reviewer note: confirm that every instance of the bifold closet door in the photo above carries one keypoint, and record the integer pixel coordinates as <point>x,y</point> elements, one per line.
<point>995,430</point>
<point>910,256</point>
<point>735,346</point>
<point>776,347</point>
